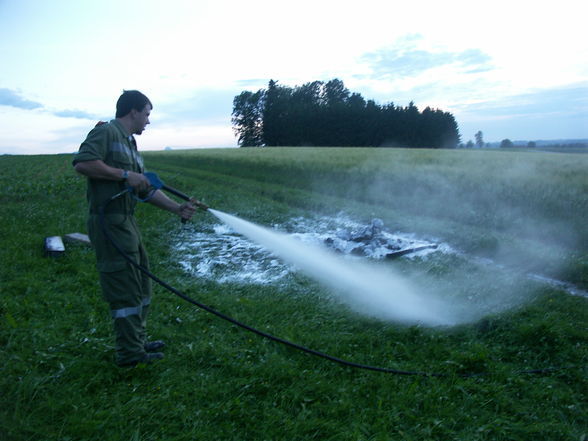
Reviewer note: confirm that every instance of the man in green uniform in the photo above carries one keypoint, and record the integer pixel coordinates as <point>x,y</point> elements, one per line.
<point>110,160</point>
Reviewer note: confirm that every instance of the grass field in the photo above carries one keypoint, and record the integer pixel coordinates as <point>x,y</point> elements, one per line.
<point>525,211</point>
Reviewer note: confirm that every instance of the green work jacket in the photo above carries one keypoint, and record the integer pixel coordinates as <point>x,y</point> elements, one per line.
<point>110,143</point>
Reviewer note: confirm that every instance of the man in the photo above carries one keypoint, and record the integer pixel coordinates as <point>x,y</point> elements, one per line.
<point>110,160</point>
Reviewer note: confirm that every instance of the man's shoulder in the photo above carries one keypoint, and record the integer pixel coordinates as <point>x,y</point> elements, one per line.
<point>107,132</point>
<point>105,127</point>
<point>97,142</point>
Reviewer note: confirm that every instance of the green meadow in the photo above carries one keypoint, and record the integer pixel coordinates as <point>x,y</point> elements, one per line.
<point>524,212</point>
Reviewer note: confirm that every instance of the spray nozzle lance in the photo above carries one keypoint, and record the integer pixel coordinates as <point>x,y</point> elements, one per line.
<point>158,184</point>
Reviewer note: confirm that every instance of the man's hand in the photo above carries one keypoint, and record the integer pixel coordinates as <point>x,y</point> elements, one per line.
<point>97,169</point>
<point>138,182</point>
<point>186,210</point>
<point>199,204</point>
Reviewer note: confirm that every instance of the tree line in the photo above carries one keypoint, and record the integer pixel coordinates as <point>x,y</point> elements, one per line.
<point>328,114</point>
<point>569,145</point>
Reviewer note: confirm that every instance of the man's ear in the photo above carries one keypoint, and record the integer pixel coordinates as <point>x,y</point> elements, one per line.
<point>133,113</point>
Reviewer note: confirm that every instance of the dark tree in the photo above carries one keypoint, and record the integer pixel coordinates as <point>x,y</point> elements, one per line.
<point>328,114</point>
<point>276,113</point>
<point>479,139</point>
<point>247,118</point>
<point>305,104</point>
<point>449,132</point>
<point>506,144</point>
<point>335,93</point>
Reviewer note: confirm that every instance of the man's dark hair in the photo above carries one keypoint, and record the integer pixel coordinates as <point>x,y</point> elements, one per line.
<point>129,100</point>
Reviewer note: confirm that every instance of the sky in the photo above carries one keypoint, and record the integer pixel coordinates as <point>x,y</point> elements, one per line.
<point>513,70</point>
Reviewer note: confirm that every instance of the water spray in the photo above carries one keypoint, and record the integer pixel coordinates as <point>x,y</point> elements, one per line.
<point>377,292</point>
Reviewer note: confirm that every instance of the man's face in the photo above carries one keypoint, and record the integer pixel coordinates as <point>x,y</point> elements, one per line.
<point>141,119</point>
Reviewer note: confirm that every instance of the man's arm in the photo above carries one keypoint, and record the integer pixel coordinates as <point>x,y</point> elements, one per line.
<point>160,199</point>
<point>97,169</point>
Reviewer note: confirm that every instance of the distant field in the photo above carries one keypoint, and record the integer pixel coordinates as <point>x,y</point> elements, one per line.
<point>522,211</point>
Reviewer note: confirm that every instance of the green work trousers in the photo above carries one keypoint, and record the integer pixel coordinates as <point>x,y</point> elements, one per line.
<point>126,289</point>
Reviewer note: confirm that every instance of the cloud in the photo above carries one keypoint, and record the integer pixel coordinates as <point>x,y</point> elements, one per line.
<point>205,106</point>
<point>79,114</point>
<point>570,101</point>
<point>474,60</point>
<point>409,62</point>
<point>259,83</point>
<point>11,98</point>
<point>542,114</point>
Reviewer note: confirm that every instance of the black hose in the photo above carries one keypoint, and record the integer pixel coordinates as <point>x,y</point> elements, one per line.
<point>272,337</point>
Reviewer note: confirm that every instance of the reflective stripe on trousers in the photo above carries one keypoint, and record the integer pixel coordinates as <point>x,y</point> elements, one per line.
<point>133,310</point>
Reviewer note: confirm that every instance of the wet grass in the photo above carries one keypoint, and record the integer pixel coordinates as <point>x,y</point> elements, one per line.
<point>59,382</point>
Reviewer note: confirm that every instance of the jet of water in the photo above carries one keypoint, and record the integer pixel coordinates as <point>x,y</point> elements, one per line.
<point>369,290</point>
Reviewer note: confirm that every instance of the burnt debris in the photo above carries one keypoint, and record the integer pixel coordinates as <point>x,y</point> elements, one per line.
<point>374,241</point>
